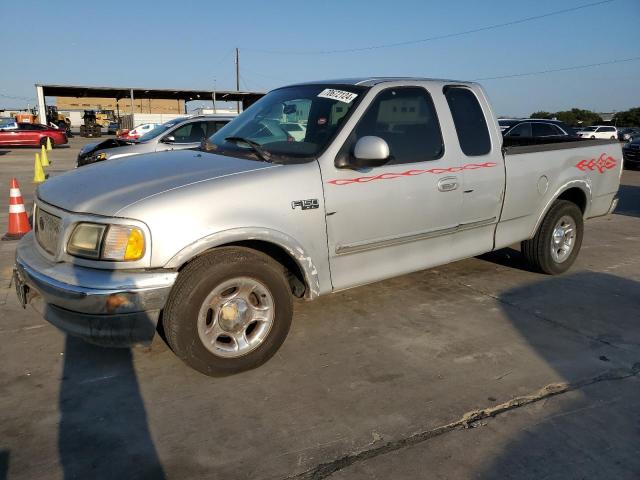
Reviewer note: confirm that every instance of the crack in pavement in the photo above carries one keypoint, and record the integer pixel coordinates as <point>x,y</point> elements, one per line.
<point>467,420</point>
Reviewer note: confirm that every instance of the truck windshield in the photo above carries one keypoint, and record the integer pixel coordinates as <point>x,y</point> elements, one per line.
<point>159,130</point>
<point>298,121</point>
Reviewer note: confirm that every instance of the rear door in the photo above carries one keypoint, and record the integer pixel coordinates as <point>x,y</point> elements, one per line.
<point>541,130</point>
<point>480,149</point>
<point>399,217</point>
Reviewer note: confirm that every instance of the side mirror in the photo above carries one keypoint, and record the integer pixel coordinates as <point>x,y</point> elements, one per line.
<point>169,139</point>
<point>369,151</point>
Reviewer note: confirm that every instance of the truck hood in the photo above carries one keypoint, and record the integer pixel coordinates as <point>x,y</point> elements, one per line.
<point>105,188</point>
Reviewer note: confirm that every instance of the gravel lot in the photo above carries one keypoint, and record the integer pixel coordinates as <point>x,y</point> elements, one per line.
<point>476,369</point>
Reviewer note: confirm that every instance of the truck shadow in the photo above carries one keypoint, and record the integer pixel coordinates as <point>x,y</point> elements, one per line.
<point>104,432</point>
<point>4,464</point>
<point>595,432</point>
<point>629,203</point>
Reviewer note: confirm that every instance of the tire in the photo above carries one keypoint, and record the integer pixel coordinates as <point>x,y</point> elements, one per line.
<point>612,138</point>
<point>43,142</point>
<point>190,311</point>
<point>593,136</point>
<point>83,130</point>
<point>538,250</point>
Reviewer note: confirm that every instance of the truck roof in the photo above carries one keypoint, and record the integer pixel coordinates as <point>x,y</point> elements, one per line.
<point>371,81</point>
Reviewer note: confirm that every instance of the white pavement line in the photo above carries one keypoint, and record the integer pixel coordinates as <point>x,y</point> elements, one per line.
<point>22,329</point>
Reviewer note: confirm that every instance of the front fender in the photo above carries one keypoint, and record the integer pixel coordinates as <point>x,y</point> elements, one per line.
<point>288,243</point>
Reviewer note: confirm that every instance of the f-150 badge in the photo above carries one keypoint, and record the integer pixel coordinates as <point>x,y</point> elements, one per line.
<point>306,204</point>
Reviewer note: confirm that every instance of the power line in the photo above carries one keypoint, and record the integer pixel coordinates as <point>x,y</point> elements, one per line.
<point>13,97</point>
<point>563,69</point>
<point>436,37</point>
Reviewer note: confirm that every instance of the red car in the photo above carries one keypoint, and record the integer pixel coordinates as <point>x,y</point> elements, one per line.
<point>32,134</point>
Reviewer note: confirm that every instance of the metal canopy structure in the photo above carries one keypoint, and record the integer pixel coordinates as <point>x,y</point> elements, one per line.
<point>119,93</point>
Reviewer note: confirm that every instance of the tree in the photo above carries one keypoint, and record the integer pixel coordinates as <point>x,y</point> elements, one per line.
<point>629,118</point>
<point>542,114</point>
<point>577,116</point>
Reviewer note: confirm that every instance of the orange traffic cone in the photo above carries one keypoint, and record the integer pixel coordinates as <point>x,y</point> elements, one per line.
<point>18,220</point>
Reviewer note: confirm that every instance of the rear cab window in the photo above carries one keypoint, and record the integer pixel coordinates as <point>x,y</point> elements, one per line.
<point>468,118</point>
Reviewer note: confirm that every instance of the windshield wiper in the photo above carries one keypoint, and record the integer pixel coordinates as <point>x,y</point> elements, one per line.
<point>255,146</point>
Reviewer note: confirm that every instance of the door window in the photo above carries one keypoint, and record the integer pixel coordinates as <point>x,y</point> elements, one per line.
<point>545,130</point>
<point>213,127</point>
<point>406,119</point>
<point>471,126</point>
<point>521,130</point>
<point>192,132</point>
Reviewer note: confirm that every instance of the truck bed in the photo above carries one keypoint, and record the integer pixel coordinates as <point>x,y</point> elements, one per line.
<point>585,171</point>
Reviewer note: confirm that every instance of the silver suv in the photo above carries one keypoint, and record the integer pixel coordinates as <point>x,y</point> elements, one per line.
<point>177,134</point>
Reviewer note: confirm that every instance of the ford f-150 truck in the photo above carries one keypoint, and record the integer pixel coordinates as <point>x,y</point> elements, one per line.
<point>392,175</point>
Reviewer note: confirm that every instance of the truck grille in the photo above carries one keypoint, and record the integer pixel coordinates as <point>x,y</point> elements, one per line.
<point>47,230</point>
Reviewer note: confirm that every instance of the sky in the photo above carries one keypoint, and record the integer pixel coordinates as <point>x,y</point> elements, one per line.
<point>190,44</point>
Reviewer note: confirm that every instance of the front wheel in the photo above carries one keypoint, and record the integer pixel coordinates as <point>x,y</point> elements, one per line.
<point>557,242</point>
<point>229,311</point>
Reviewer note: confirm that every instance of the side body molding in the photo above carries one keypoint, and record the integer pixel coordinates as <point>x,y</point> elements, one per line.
<point>289,244</point>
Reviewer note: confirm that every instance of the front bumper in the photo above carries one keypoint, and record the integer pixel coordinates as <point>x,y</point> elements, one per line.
<point>107,307</point>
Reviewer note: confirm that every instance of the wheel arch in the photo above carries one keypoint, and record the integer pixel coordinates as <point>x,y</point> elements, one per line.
<point>575,191</point>
<point>303,277</point>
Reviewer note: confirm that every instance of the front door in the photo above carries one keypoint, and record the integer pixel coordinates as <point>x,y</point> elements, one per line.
<point>399,217</point>
<point>189,135</point>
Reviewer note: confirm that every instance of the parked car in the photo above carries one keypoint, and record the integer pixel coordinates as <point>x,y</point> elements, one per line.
<point>531,128</point>
<point>32,134</point>
<point>631,153</point>
<point>599,131</point>
<point>628,134</point>
<point>392,176</point>
<point>136,133</point>
<point>505,123</point>
<point>113,128</point>
<point>8,123</point>
<point>177,134</point>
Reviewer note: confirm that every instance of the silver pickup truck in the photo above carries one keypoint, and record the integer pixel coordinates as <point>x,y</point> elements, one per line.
<point>384,176</point>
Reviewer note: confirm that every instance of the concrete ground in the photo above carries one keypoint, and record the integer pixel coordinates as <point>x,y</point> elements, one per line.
<point>478,369</point>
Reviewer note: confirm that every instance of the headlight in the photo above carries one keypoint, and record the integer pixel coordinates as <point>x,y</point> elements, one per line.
<point>85,240</point>
<point>106,242</point>
<point>101,156</point>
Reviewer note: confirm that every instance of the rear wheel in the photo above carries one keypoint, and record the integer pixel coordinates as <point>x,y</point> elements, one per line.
<point>557,242</point>
<point>83,130</point>
<point>229,311</point>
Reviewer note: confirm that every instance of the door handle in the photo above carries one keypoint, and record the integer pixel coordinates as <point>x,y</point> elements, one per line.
<point>447,184</point>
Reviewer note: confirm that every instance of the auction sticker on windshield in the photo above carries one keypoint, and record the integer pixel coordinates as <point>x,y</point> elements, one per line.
<point>340,95</point>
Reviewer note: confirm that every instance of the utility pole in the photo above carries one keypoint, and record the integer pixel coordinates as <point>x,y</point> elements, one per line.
<point>238,76</point>
<point>213,97</point>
